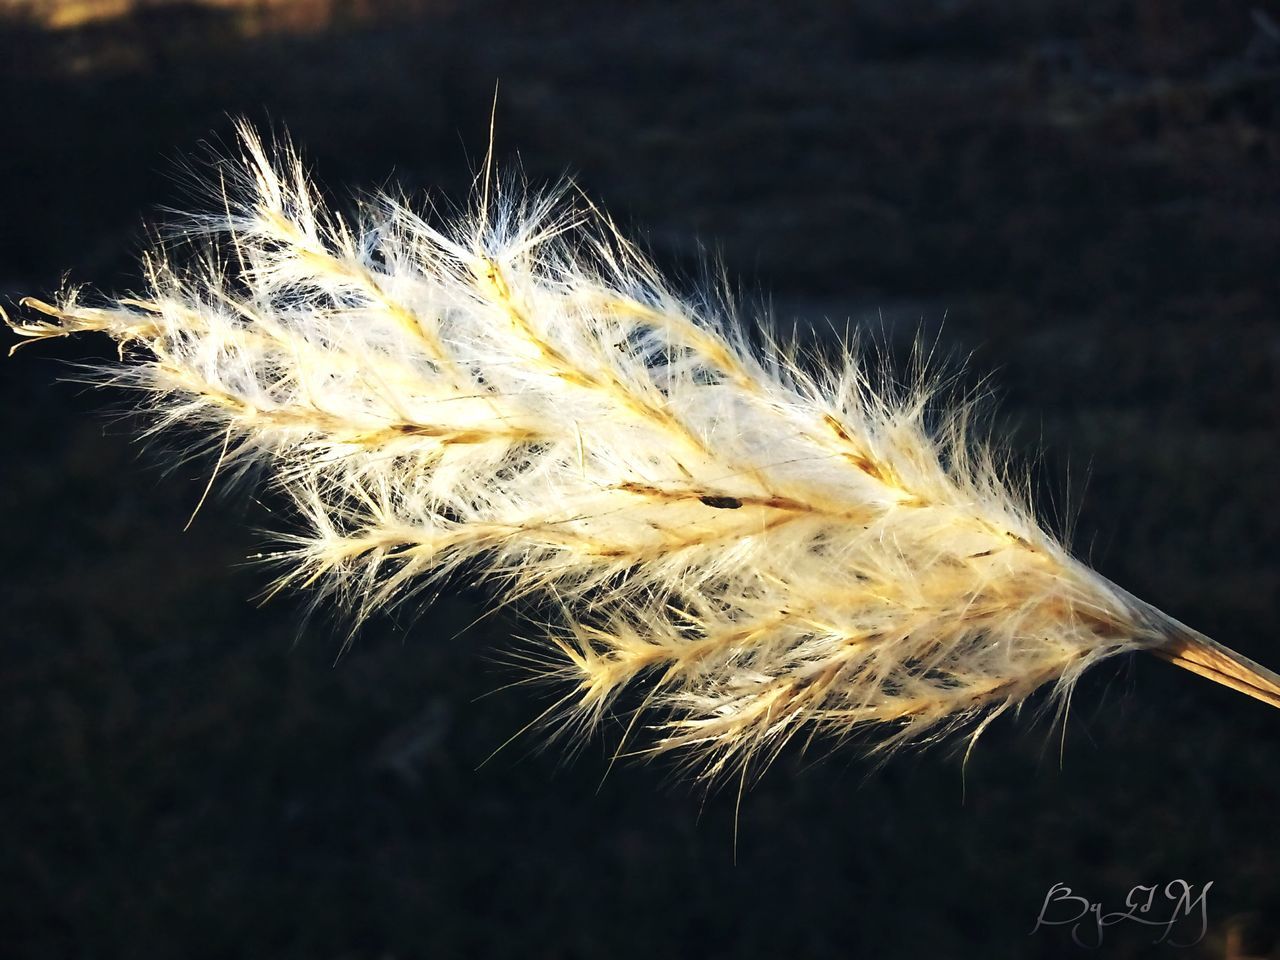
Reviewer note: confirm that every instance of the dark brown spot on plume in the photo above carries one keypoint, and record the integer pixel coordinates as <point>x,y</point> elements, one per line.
<point>722,503</point>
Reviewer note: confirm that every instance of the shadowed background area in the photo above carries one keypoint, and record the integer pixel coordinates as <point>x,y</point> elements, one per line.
<point>1089,201</point>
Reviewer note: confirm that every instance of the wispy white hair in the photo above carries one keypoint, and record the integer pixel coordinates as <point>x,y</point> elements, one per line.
<point>759,547</point>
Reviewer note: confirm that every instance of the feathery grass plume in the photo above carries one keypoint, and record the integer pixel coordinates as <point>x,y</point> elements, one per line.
<point>760,550</point>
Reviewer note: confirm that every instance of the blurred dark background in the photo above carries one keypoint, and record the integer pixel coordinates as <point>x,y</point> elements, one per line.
<point>1087,193</point>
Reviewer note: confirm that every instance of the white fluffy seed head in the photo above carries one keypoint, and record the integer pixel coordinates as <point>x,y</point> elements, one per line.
<point>760,549</point>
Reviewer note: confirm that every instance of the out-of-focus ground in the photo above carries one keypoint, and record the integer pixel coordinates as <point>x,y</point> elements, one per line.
<point>244,18</point>
<point>1090,198</point>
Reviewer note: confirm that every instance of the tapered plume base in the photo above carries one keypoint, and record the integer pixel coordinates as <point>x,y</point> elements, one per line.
<point>1197,653</point>
<point>1173,640</point>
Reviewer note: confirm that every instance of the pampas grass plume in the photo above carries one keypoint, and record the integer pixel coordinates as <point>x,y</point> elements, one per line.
<point>760,550</point>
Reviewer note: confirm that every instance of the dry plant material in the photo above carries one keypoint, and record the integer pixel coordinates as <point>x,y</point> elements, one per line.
<point>759,550</point>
